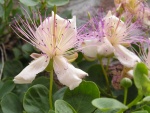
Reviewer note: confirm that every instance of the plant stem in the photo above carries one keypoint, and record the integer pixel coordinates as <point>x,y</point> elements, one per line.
<point>105,74</point>
<point>139,96</point>
<point>108,61</point>
<point>135,100</point>
<point>125,95</point>
<point>50,90</point>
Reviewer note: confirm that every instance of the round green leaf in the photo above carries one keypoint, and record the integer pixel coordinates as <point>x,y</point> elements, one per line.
<point>30,2</point>
<point>27,48</point>
<point>106,104</point>
<point>36,99</point>
<point>110,111</point>
<point>80,98</point>
<point>96,75</point>
<point>59,94</point>
<point>17,52</point>
<point>41,80</point>
<point>10,104</point>
<point>57,2</point>
<point>12,68</point>
<point>7,87</point>
<point>141,78</point>
<point>146,99</point>
<point>85,65</point>
<point>63,107</point>
<point>142,111</point>
<point>147,108</point>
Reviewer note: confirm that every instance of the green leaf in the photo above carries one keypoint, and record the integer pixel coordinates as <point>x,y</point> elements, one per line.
<point>59,94</point>
<point>145,99</point>
<point>41,80</point>
<point>20,90</point>
<point>106,104</point>
<point>36,99</point>
<point>80,98</point>
<point>17,52</point>
<point>96,75</point>
<point>7,87</point>
<point>1,1</point>
<point>111,111</point>
<point>147,108</point>
<point>30,2</point>
<point>44,81</point>
<point>8,9</point>
<point>142,111</point>
<point>68,14</point>
<point>141,78</point>
<point>10,104</point>
<point>27,48</point>
<point>85,65</point>
<point>63,107</point>
<point>57,2</point>
<point>12,68</point>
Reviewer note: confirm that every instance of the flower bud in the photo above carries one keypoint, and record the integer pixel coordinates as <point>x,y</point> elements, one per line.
<point>126,82</point>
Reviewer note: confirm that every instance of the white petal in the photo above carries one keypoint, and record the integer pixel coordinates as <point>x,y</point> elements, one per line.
<point>28,74</point>
<point>67,35</point>
<point>71,57</point>
<point>125,56</point>
<point>106,48</point>
<point>130,73</point>
<point>67,74</point>
<point>62,34</point>
<point>89,48</point>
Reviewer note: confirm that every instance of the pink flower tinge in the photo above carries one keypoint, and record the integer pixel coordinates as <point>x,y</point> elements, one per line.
<point>110,35</point>
<point>137,8</point>
<point>54,37</point>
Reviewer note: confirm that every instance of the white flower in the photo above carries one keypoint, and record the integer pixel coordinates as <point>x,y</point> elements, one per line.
<point>116,35</point>
<point>54,38</point>
<point>89,48</point>
<point>119,35</point>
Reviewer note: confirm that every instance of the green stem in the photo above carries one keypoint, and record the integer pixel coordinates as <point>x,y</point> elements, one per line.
<point>108,61</point>
<point>105,74</point>
<point>51,89</point>
<point>135,100</point>
<point>125,95</point>
<point>139,96</point>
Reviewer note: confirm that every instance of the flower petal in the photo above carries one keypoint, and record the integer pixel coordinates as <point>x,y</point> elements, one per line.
<point>89,48</point>
<point>28,74</point>
<point>130,73</point>
<point>67,74</point>
<point>106,48</point>
<point>56,32</point>
<point>71,57</point>
<point>125,56</point>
